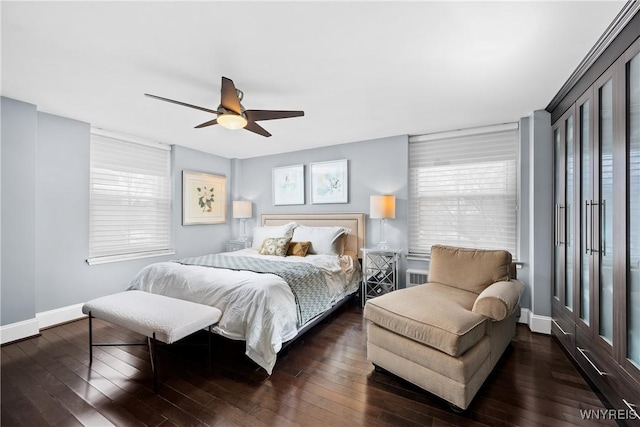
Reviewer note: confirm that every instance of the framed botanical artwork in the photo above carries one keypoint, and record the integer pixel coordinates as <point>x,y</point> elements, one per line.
<point>288,185</point>
<point>330,182</point>
<point>204,198</point>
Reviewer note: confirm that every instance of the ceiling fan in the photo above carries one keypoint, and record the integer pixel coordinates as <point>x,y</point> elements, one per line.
<point>232,115</point>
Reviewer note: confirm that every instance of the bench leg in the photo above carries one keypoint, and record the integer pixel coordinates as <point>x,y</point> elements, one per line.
<point>210,346</point>
<point>90,339</point>
<point>154,367</point>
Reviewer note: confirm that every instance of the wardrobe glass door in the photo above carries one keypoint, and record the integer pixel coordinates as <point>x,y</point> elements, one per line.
<point>558,158</point>
<point>605,211</point>
<point>633,214</point>
<point>568,213</point>
<point>585,207</point>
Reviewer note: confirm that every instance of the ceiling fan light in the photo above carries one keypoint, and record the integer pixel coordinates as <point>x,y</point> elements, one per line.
<point>232,121</point>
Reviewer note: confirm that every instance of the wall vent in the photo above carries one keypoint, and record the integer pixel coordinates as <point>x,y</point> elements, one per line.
<point>416,277</point>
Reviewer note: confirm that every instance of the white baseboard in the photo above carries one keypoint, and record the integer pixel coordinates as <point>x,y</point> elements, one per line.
<point>524,316</point>
<point>28,328</point>
<point>536,323</point>
<point>45,319</point>
<point>60,315</point>
<point>19,330</point>
<point>540,324</point>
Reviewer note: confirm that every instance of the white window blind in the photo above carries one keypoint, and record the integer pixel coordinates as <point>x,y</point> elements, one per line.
<point>130,212</point>
<point>463,189</point>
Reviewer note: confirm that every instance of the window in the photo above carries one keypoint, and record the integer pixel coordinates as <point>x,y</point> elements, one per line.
<point>130,208</point>
<point>463,189</point>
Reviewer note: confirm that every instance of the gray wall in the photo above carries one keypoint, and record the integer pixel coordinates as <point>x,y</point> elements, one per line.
<point>541,212</point>
<point>18,212</point>
<point>523,213</point>
<point>45,219</point>
<point>377,166</point>
<point>191,240</point>
<point>45,198</point>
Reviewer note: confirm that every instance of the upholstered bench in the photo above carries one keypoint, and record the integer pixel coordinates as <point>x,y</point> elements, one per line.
<point>158,317</point>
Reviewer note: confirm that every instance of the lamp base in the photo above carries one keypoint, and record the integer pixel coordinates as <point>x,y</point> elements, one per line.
<point>382,245</point>
<point>242,236</point>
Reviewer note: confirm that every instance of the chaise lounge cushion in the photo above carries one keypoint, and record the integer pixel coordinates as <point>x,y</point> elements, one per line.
<point>459,369</point>
<point>432,314</point>
<point>469,269</point>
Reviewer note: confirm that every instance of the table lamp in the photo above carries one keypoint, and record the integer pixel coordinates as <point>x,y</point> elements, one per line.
<point>242,210</point>
<point>382,207</point>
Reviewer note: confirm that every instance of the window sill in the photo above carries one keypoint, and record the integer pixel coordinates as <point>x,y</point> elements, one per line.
<point>415,257</point>
<point>127,257</point>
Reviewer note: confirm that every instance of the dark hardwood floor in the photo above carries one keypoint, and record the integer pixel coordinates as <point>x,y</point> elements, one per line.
<point>323,379</point>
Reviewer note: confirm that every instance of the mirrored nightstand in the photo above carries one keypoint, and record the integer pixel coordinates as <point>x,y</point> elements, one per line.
<point>236,245</point>
<point>379,272</point>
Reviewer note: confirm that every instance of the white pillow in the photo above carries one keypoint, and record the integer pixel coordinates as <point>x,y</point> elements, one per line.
<point>324,240</point>
<point>267,232</point>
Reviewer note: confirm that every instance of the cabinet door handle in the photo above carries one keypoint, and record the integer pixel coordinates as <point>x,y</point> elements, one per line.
<point>555,225</point>
<point>592,229</point>
<point>603,243</point>
<point>587,243</point>
<point>559,327</point>
<point>584,354</point>
<point>562,238</point>
<point>558,242</point>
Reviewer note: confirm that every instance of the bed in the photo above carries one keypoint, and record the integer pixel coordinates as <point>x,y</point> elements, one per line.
<point>268,300</point>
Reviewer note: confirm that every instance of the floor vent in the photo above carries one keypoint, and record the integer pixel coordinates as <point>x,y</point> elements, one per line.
<point>416,277</point>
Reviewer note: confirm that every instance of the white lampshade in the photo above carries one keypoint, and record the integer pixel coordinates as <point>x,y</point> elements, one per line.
<point>241,209</point>
<point>382,207</point>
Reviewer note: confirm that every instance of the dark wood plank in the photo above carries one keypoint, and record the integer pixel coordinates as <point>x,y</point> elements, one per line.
<point>323,379</point>
<point>22,409</point>
<point>42,401</point>
<point>149,408</point>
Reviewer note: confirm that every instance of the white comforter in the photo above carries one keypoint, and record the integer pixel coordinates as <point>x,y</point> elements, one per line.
<point>258,308</point>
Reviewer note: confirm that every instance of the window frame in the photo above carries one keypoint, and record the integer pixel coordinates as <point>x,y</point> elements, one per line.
<point>470,132</point>
<point>130,142</point>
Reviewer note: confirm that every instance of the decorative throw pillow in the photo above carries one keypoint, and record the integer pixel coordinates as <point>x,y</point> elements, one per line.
<point>275,246</point>
<point>324,240</point>
<point>261,233</point>
<point>298,248</point>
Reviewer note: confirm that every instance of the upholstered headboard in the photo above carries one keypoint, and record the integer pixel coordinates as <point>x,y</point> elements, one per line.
<point>353,221</point>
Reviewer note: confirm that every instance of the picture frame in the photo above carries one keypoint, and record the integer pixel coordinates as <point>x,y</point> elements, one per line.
<point>204,198</point>
<point>330,182</point>
<point>288,185</point>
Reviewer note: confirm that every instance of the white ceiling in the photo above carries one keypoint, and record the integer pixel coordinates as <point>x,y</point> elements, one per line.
<point>359,70</point>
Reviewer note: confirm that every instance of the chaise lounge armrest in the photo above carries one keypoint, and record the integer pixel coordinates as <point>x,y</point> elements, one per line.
<point>499,300</point>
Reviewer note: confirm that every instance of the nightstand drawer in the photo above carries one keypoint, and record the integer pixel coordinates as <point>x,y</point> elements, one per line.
<point>236,245</point>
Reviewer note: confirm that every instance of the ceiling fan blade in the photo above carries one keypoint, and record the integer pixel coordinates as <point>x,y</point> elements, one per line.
<point>209,123</point>
<point>256,128</point>
<point>229,96</point>
<point>184,104</point>
<point>257,115</point>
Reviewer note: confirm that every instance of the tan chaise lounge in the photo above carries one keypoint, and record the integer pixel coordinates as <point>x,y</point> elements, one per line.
<point>447,335</point>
